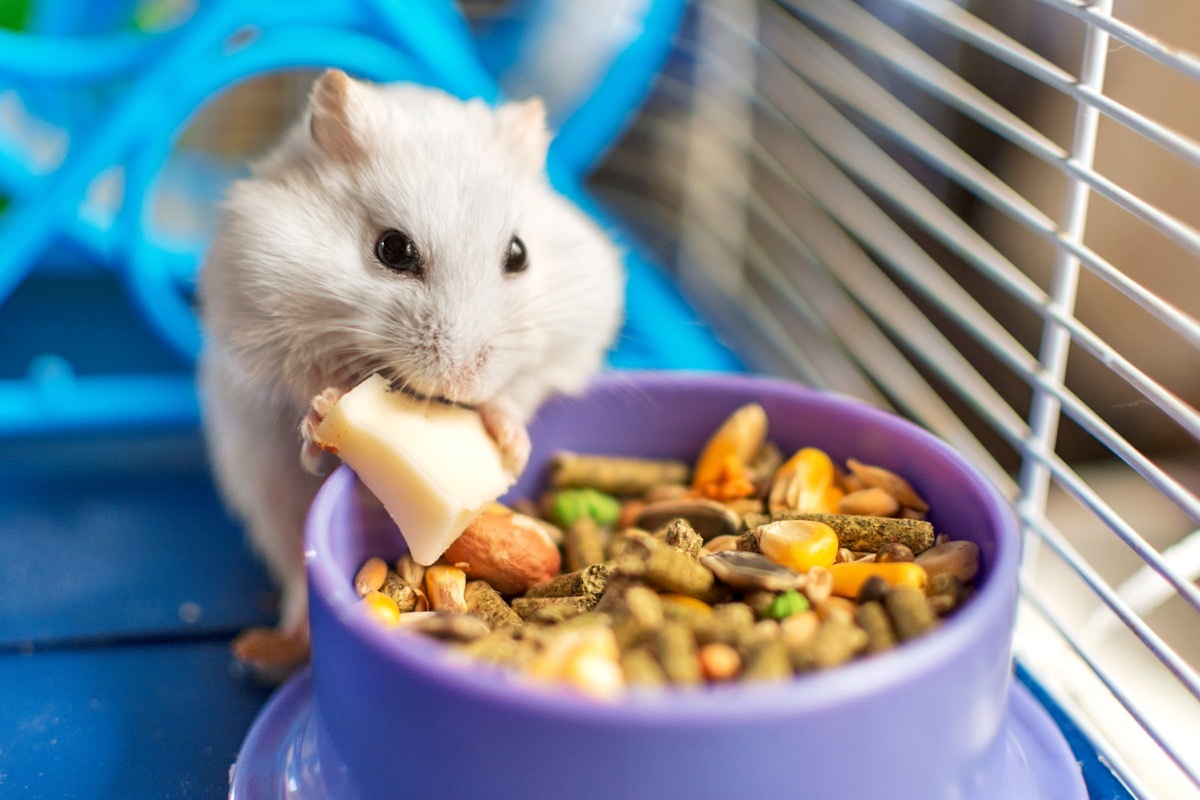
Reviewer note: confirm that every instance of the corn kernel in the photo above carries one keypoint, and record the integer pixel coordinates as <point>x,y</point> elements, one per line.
<point>848,578</point>
<point>381,607</point>
<point>799,544</point>
<point>686,603</point>
<point>806,482</point>
<point>446,587</point>
<point>586,658</point>
<point>721,472</point>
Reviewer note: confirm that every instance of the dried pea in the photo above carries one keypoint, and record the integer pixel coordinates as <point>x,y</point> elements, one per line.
<point>786,604</point>
<point>568,506</point>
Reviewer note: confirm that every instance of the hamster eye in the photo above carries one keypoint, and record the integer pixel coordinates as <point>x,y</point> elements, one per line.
<point>516,259</point>
<point>396,251</point>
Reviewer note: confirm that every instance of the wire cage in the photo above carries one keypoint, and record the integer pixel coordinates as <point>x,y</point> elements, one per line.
<point>977,213</point>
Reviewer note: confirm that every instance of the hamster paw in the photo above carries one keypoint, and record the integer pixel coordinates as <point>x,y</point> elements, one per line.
<point>270,655</point>
<point>311,453</point>
<point>510,435</point>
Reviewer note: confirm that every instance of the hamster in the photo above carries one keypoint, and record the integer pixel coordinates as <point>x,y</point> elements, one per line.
<point>400,230</point>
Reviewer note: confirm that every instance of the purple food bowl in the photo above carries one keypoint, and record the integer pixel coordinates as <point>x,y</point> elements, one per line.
<point>921,721</point>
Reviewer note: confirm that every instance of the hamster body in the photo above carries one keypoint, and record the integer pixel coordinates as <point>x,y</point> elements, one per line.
<point>396,230</point>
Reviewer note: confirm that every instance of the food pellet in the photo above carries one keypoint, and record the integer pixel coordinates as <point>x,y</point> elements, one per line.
<point>836,642</point>
<point>675,646</point>
<point>683,537</point>
<point>744,566</point>
<point>583,544</point>
<point>486,603</point>
<point>528,607</point>
<point>909,612</point>
<point>664,567</point>
<point>612,475</point>
<point>588,581</point>
<point>768,661</point>
<point>873,619</point>
<point>641,667</point>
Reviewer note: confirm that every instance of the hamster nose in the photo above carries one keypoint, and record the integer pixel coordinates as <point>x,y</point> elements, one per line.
<point>463,378</point>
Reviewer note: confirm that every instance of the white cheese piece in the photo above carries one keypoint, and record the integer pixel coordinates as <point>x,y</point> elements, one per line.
<point>433,466</point>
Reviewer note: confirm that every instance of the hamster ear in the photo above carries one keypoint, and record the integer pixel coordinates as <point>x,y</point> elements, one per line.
<point>523,126</point>
<point>332,104</point>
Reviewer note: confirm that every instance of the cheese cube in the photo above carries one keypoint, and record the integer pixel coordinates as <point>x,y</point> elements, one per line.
<point>432,465</point>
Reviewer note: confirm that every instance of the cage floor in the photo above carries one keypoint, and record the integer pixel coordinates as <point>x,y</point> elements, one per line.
<point>121,583</point>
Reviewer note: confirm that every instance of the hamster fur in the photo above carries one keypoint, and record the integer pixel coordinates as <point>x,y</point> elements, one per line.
<point>295,299</point>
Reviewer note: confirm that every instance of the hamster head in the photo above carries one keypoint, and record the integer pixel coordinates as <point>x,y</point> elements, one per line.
<point>407,232</point>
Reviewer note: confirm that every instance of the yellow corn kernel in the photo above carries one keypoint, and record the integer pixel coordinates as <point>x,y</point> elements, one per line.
<point>721,466</point>
<point>446,588</point>
<point>587,658</point>
<point>732,483</point>
<point>849,577</point>
<point>381,607</point>
<point>798,543</point>
<point>593,674</point>
<point>806,482</point>
<point>686,603</point>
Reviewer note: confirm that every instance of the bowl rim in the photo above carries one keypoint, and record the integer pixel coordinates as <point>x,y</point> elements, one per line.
<point>428,660</point>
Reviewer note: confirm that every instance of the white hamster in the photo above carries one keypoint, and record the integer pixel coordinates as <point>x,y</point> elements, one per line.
<point>396,229</point>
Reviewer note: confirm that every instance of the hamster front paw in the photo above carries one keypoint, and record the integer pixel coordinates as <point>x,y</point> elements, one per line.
<point>509,433</point>
<point>312,455</point>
